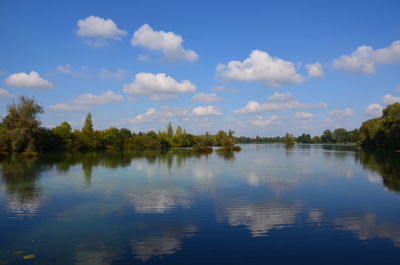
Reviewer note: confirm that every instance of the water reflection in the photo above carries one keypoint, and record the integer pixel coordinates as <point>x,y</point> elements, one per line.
<point>23,195</point>
<point>146,204</point>
<point>259,218</point>
<point>165,243</point>
<point>367,227</point>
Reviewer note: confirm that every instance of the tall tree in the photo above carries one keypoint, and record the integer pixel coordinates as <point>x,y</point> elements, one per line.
<point>170,131</point>
<point>88,125</point>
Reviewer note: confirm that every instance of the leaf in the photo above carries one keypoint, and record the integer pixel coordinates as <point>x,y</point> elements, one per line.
<point>30,256</point>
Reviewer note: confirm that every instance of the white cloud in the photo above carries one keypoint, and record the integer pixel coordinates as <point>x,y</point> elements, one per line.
<point>5,94</point>
<point>206,111</point>
<point>278,101</point>
<point>158,86</point>
<point>364,58</point>
<point>91,99</point>
<point>260,67</point>
<point>97,27</point>
<point>374,110</point>
<point>118,75</point>
<point>206,98</point>
<point>341,113</point>
<point>166,112</point>
<point>280,97</point>
<point>81,102</point>
<point>261,122</point>
<point>68,107</point>
<point>68,69</point>
<point>304,115</point>
<point>168,43</point>
<point>389,99</point>
<point>31,80</point>
<point>314,70</point>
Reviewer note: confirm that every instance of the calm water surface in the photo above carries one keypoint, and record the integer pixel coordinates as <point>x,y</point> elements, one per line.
<point>264,205</point>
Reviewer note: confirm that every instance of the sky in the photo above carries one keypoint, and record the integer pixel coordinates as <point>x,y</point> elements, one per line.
<point>256,67</point>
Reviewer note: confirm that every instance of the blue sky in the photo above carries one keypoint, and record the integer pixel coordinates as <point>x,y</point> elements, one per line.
<point>257,67</point>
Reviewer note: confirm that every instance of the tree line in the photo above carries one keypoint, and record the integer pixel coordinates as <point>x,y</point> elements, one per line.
<point>21,131</point>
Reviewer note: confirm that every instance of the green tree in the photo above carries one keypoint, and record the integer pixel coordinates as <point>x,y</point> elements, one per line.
<point>88,125</point>
<point>327,137</point>
<point>289,140</point>
<point>340,135</point>
<point>112,138</point>
<point>21,124</point>
<point>170,130</point>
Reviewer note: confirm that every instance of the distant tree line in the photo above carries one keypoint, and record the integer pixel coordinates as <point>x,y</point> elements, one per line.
<point>379,133</point>
<point>339,135</point>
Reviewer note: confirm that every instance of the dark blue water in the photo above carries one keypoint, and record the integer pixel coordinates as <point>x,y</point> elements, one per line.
<point>264,205</point>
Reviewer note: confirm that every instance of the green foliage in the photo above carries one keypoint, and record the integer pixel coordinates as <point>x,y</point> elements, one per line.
<point>289,140</point>
<point>112,138</point>
<point>304,138</point>
<point>201,148</point>
<point>21,124</point>
<point>383,132</point>
<point>170,130</point>
<point>87,128</point>
<point>63,132</point>
<point>327,137</point>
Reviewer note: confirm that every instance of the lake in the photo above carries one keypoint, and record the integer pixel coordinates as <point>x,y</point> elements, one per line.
<point>311,204</point>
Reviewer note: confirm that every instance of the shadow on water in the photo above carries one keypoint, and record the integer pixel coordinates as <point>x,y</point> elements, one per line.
<point>386,164</point>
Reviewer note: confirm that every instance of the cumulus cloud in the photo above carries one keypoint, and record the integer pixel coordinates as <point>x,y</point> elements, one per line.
<point>389,99</point>
<point>374,110</point>
<point>168,43</point>
<point>278,101</point>
<point>341,113</point>
<point>364,58</point>
<point>314,70</point>
<point>99,28</point>
<point>304,115</point>
<point>5,94</point>
<point>261,122</point>
<point>158,86</point>
<point>31,80</point>
<point>260,67</point>
<point>118,75</point>
<point>206,98</point>
<point>82,102</point>
<point>206,111</point>
<point>166,112</point>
